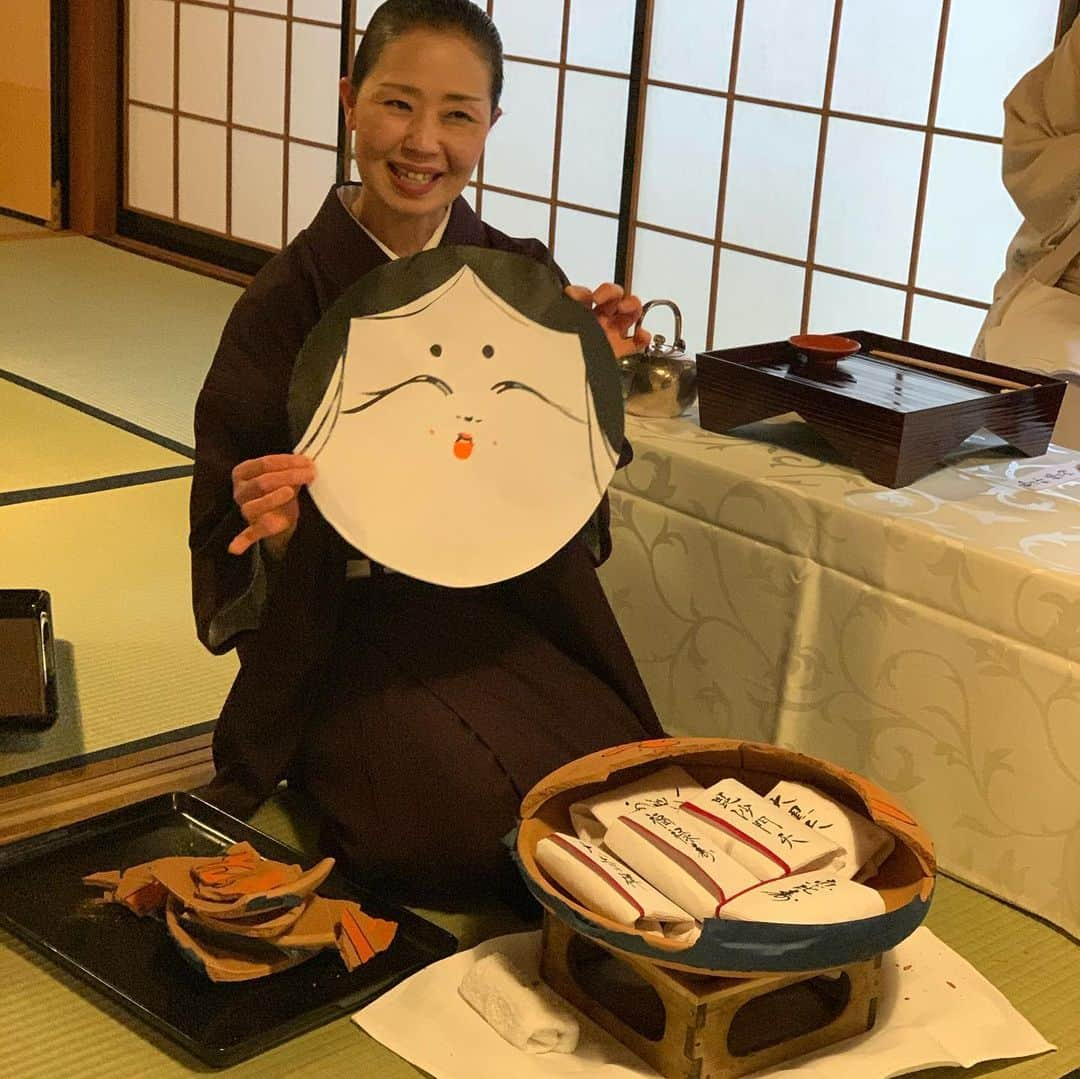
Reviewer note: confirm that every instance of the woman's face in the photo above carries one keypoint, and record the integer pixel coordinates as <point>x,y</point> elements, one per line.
<point>420,117</point>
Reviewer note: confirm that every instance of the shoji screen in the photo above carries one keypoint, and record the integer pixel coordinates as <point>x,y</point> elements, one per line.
<point>828,164</point>
<point>230,114</point>
<point>553,167</point>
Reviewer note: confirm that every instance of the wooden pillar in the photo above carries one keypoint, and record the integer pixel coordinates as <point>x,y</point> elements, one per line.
<point>93,94</point>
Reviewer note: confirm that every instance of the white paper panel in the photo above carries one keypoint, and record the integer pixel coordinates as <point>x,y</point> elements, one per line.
<point>313,83</point>
<point>951,326</point>
<point>256,188</point>
<point>601,33</point>
<point>204,61</point>
<point>839,303</point>
<point>469,194</point>
<point>150,51</point>
<point>590,172</point>
<point>680,163</point>
<point>530,29</point>
<point>585,246</point>
<point>517,217</point>
<point>323,10</point>
<point>770,185</point>
<point>868,198</point>
<point>276,7</point>
<point>969,220</point>
<point>520,148</point>
<point>364,10</point>
<point>885,60</point>
<point>259,72</point>
<point>785,49</point>
<point>311,173</point>
<point>991,43</point>
<point>202,174</point>
<point>150,161</point>
<point>670,268</point>
<point>691,42</point>
<point>756,300</point>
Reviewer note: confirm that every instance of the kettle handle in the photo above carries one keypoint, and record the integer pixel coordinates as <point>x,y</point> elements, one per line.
<point>678,343</point>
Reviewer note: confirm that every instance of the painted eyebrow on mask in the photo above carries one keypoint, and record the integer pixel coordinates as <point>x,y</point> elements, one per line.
<point>513,384</point>
<point>378,395</point>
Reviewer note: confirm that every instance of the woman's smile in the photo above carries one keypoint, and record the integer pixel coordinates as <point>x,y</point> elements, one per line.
<point>413,182</point>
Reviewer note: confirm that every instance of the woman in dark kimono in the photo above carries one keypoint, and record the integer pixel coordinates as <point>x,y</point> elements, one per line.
<point>414,716</point>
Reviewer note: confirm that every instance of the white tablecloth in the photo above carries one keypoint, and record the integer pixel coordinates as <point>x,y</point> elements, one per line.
<point>926,637</point>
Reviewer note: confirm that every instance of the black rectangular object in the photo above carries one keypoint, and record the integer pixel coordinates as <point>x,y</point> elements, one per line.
<point>28,695</point>
<point>134,961</point>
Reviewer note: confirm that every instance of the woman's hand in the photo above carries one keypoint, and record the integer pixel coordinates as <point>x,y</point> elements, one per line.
<point>266,489</point>
<point>617,314</point>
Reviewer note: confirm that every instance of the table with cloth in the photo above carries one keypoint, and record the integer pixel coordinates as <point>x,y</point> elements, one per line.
<point>927,637</point>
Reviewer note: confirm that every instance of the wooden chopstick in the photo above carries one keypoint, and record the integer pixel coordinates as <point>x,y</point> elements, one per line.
<point>958,372</point>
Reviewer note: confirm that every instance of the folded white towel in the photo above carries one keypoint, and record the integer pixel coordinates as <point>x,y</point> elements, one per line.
<point>528,1014</point>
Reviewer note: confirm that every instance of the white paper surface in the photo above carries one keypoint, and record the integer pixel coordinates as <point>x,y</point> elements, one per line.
<point>936,1009</point>
<point>458,441</point>
<point>425,1021</point>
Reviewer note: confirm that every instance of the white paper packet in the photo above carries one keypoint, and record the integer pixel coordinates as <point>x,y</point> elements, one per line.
<point>819,898</point>
<point>749,828</point>
<point>680,857</point>
<point>604,884</point>
<point>591,817</point>
<point>864,845</point>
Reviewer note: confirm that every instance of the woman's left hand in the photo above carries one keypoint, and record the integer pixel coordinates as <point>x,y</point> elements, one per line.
<point>617,314</point>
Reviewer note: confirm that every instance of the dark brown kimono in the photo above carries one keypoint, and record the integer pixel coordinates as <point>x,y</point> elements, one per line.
<point>415,716</point>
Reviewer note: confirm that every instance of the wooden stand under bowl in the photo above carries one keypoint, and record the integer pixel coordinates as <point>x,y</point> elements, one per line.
<point>692,1026</point>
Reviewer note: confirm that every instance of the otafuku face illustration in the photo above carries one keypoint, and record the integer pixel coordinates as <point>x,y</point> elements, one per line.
<point>458,441</point>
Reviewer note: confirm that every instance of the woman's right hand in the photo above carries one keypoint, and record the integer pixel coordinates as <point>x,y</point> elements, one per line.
<point>266,489</point>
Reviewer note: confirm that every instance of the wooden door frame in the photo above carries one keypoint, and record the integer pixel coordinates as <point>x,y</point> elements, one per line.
<point>93,54</point>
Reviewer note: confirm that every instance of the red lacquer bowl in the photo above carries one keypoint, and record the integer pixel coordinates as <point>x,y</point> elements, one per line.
<point>824,349</point>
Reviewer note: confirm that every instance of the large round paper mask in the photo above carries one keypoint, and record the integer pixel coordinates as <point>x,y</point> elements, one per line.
<point>464,415</point>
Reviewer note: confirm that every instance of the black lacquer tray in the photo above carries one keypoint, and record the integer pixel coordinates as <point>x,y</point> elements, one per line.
<point>893,420</point>
<point>133,960</point>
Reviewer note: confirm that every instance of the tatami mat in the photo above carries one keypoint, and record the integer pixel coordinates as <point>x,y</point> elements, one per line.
<point>47,444</point>
<point>120,332</point>
<point>15,228</point>
<point>53,1024</point>
<point>117,568</point>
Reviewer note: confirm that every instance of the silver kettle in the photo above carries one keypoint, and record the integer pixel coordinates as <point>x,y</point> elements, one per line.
<point>662,380</point>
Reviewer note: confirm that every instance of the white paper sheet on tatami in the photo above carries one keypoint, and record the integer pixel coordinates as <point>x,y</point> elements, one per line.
<point>936,1009</point>
<point>458,440</point>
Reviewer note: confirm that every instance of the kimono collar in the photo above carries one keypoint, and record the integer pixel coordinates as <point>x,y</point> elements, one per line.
<point>345,253</point>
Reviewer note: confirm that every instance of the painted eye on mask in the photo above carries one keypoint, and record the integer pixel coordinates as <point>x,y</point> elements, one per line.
<point>381,395</point>
<point>512,384</point>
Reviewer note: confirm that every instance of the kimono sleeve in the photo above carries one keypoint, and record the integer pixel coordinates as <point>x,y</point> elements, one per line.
<point>239,415</point>
<point>1041,160</point>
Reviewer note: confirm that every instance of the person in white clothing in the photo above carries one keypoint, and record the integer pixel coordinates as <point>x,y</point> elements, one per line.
<point>1034,321</point>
